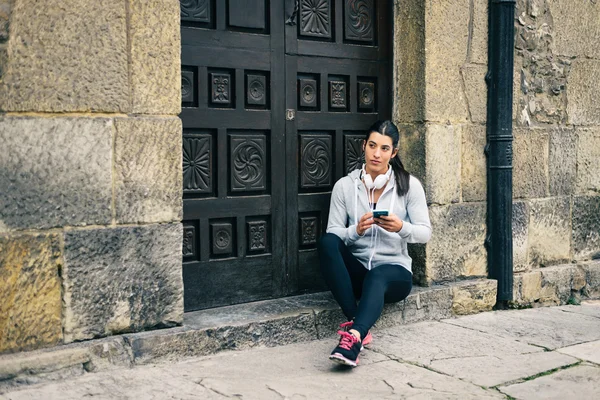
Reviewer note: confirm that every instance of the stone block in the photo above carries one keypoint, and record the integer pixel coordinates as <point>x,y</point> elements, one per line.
<point>457,247</point>
<point>155,57</point>
<point>586,227</point>
<point>473,164</point>
<point>442,160</point>
<point>530,163</point>
<point>412,149</point>
<point>31,308</point>
<point>148,184</point>
<point>409,61</point>
<point>549,231</point>
<point>55,172</point>
<point>446,45</point>
<point>583,85</point>
<point>562,162</point>
<point>122,279</point>
<point>473,76</point>
<point>592,278</point>
<point>67,55</point>
<point>588,157</point>
<point>474,297</point>
<point>520,227</point>
<point>479,41</point>
<point>576,27</point>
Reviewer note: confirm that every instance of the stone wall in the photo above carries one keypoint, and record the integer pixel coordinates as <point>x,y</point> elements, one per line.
<point>441,53</point>
<point>90,170</point>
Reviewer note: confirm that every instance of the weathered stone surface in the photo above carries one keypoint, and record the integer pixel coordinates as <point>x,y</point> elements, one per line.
<point>55,172</point>
<point>549,231</point>
<point>544,326</point>
<point>442,160</point>
<point>474,297</point>
<point>155,57</point>
<point>588,154</point>
<point>412,149</point>
<point>574,21</point>
<point>586,351</point>
<point>520,225</point>
<point>587,307</point>
<point>148,170</point>
<point>122,280</point>
<point>562,162</point>
<point>583,106</point>
<point>30,306</point>
<point>592,278</point>
<point>578,382</point>
<point>478,49</point>
<point>586,227</point>
<point>409,61</point>
<point>67,55</point>
<point>446,44</point>
<point>476,90</point>
<point>456,249</point>
<point>473,164</point>
<point>530,177</point>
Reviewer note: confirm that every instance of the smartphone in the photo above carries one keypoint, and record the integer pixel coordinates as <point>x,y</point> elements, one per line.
<point>380,213</point>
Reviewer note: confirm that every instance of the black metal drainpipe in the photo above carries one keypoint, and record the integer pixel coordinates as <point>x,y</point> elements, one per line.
<point>499,146</point>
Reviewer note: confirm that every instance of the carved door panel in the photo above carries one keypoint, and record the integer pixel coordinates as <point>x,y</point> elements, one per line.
<point>337,73</point>
<point>233,135</point>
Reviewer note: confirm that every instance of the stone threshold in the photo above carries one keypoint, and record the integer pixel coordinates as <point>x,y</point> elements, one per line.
<point>265,323</point>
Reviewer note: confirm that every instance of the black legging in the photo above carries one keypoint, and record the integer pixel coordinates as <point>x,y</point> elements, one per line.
<point>349,280</point>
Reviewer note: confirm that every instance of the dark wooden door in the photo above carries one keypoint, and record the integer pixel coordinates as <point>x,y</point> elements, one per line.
<point>275,98</point>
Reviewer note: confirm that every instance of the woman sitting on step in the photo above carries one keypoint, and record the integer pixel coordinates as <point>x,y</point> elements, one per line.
<point>375,211</point>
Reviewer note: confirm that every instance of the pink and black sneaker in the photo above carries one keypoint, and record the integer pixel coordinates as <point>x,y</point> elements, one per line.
<point>347,350</point>
<point>346,326</point>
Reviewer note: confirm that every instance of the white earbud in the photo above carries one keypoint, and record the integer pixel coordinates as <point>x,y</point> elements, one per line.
<point>379,182</point>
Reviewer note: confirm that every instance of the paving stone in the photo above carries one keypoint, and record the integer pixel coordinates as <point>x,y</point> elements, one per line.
<point>580,382</point>
<point>586,309</point>
<point>545,327</point>
<point>586,351</point>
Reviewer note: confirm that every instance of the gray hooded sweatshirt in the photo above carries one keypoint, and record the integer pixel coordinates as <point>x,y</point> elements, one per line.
<point>349,202</point>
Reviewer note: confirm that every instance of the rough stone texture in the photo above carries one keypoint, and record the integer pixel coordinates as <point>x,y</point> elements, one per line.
<point>574,383</point>
<point>456,249</point>
<point>5,9</point>
<point>588,154</point>
<point>586,351</point>
<point>67,55</point>
<point>562,162</point>
<point>520,226</point>
<point>442,162</point>
<point>592,278</point>
<point>549,231</point>
<point>573,21</point>
<point>30,309</point>
<point>587,307</point>
<point>55,172</point>
<point>473,164</point>
<point>122,280</point>
<point>545,326</point>
<point>148,170</point>
<point>586,227</point>
<point>583,106</point>
<point>476,89</point>
<point>155,56</point>
<point>411,147</point>
<point>530,163</point>
<point>474,297</point>
<point>409,61</point>
<point>446,44</point>
<point>478,49</point>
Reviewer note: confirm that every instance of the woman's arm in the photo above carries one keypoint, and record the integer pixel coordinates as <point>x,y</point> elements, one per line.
<point>338,215</point>
<point>417,229</point>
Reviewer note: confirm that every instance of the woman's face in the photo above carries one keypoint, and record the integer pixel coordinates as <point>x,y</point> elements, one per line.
<point>379,149</point>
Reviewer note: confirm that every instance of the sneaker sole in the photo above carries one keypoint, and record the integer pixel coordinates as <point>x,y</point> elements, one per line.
<point>340,359</point>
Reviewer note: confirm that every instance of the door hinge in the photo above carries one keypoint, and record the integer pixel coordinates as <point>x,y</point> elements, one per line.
<point>290,114</point>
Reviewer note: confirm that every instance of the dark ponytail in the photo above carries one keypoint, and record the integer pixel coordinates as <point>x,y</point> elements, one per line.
<point>388,128</point>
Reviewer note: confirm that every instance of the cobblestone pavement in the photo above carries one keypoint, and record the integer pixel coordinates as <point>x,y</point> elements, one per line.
<point>542,353</point>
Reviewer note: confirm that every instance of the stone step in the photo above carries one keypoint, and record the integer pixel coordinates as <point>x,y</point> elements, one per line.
<point>265,323</point>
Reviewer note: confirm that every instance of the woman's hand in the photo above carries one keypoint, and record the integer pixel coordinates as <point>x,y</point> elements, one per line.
<point>390,223</point>
<point>365,223</point>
